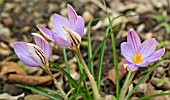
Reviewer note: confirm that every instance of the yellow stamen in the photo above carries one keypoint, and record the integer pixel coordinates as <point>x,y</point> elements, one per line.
<point>137,58</point>
<point>65,29</point>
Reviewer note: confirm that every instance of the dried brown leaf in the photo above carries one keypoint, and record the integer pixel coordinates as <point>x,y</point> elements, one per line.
<point>11,68</point>
<point>71,61</point>
<point>151,90</point>
<point>30,80</point>
<point>122,72</point>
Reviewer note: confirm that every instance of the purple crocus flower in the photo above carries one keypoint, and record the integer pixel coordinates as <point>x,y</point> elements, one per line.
<point>31,54</point>
<point>66,33</point>
<point>139,54</point>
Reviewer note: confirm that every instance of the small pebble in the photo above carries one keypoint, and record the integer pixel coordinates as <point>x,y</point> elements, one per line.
<point>64,12</point>
<point>25,29</point>
<point>87,16</point>
<point>160,71</point>
<point>17,10</point>
<point>35,97</point>
<point>4,49</point>
<point>5,33</point>
<point>52,7</point>
<point>148,35</point>
<point>8,21</point>
<point>12,89</point>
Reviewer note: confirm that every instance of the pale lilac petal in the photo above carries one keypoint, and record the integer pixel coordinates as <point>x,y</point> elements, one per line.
<point>76,22</point>
<point>145,63</point>
<point>44,45</point>
<point>126,64</point>
<point>133,39</point>
<point>60,41</point>
<point>27,60</point>
<point>147,47</point>
<point>47,33</point>
<point>132,67</point>
<point>79,26</point>
<point>127,51</point>
<point>58,22</point>
<point>21,47</point>
<point>22,52</point>
<point>72,15</point>
<point>156,55</point>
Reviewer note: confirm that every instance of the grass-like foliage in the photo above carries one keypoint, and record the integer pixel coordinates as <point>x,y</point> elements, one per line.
<point>86,71</point>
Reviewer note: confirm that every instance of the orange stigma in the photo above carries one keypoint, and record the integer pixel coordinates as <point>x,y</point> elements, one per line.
<point>137,58</point>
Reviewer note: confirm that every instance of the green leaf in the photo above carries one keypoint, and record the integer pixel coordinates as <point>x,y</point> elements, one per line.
<point>26,68</point>
<point>159,83</point>
<point>84,43</point>
<point>72,97</point>
<point>99,71</point>
<point>89,48</point>
<point>49,90</point>
<point>64,72</point>
<point>114,98</point>
<point>100,45</point>
<point>13,57</point>
<point>162,43</point>
<point>115,59</point>
<point>38,91</point>
<point>166,26</point>
<point>1,2</point>
<point>66,64</point>
<point>160,17</point>
<point>153,96</point>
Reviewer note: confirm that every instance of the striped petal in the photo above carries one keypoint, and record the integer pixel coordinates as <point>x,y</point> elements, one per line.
<point>127,52</point>
<point>72,15</point>
<point>147,47</point>
<point>37,54</point>
<point>132,67</point>
<point>76,22</point>
<point>28,60</point>
<point>47,33</point>
<point>156,55</point>
<point>145,63</point>
<point>73,39</point>
<point>79,26</point>
<point>43,44</point>
<point>133,39</point>
<point>60,41</point>
<point>58,22</point>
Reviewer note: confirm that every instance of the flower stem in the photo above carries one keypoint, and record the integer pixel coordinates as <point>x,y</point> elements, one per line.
<point>69,92</point>
<point>57,85</point>
<point>91,78</point>
<point>126,84</point>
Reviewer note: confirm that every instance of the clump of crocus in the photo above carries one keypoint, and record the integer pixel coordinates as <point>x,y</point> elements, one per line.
<point>31,54</point>
<point>139,54</point>
<point>66,33</point>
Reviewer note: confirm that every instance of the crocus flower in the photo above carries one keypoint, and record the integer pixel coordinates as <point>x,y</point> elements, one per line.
<point>31,54</point>
<point>66,33</point>
<point>139,54</point>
